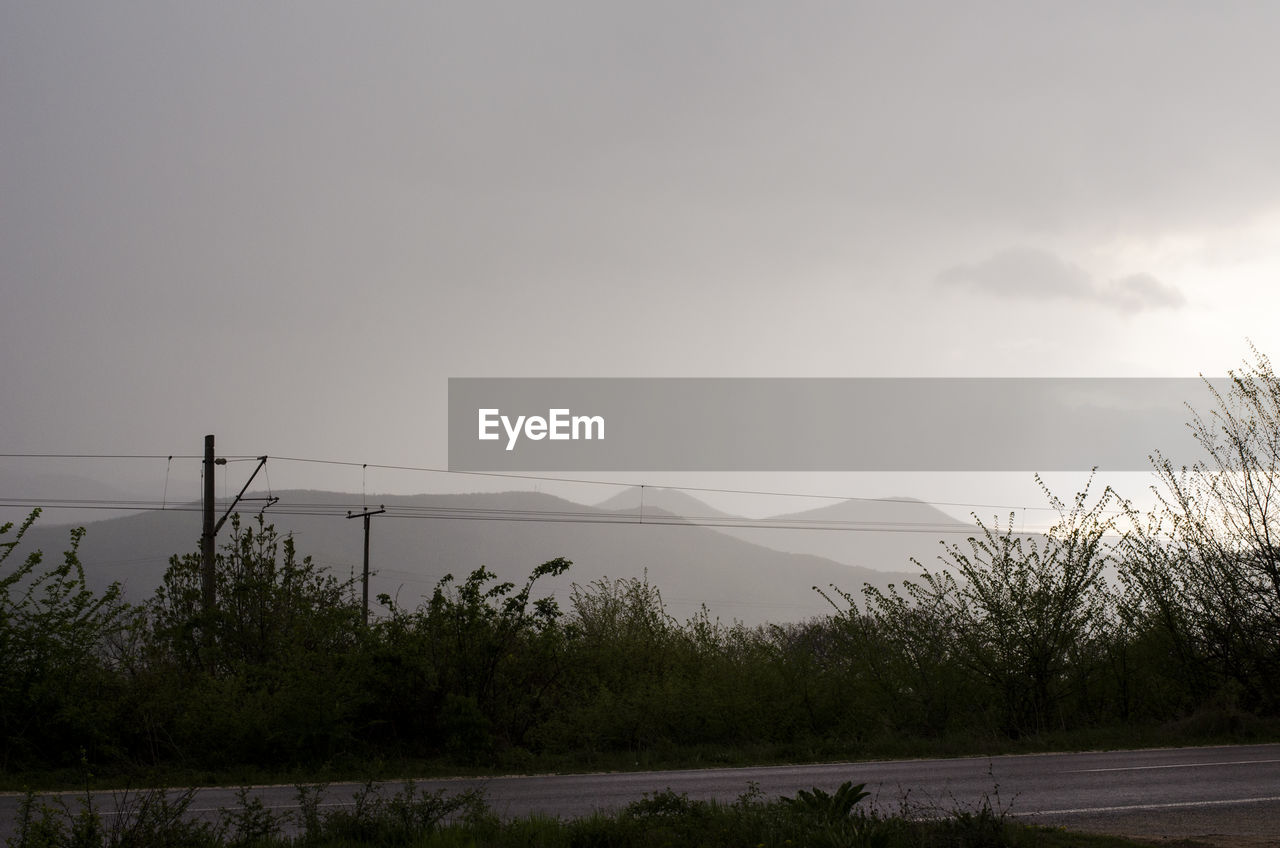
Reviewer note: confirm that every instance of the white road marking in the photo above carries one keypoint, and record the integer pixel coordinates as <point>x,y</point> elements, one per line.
<point>1154,806</point>
<point>1172,765</point>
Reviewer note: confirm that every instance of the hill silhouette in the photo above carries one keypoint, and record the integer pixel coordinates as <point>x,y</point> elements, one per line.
<point>737,569</point>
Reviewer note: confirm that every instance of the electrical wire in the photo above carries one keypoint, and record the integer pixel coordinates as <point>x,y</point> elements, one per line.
<point>618,484</point>
<point>167,468</point>
<point>585,515</point>
<point>463,513</point>
<point>548,478</point>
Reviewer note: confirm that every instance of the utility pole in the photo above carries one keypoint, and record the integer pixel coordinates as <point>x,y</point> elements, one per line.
<point>207,596</point>
<point>366,515</point>
<point>209,531</point>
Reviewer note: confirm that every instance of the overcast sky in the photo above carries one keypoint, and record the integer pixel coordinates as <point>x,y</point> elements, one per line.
<point>290,223</point>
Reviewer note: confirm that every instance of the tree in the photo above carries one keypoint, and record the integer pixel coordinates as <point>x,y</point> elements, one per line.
<point>271,604</point>
<point>277,677</point>
<point>1024,612</point>
<point>55,671</point>
<point>912,654</point>
<point>474,665</point>
<point>1205,564</point>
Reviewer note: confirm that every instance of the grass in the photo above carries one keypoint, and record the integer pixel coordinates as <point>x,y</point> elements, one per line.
<point>412,818</point>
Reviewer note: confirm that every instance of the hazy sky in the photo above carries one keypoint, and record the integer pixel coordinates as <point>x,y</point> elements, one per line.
<point>289,223</point>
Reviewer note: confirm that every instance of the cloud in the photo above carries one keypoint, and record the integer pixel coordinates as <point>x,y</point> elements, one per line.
<point>1034,274</point>
<point>1137,292</point>
<point>1022,272</point>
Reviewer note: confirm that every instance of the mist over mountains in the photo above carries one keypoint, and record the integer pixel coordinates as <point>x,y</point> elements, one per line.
<point>753,570</point>
<point>881,534</point>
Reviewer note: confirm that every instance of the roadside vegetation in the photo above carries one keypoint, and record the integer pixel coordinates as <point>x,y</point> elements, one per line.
<point>1013,643</point>
<point>410,817</point>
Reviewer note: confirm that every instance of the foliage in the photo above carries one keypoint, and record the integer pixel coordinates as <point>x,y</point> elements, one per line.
<point>1012,639</point>
<point>911,657</point>
<point>1204,567</point>
<point>415,818</point>
<point>1018,612</point>
<point>403,818</point>
<point>828,807</point>
<point>485,661</point>
<point>56,681</point>
<point>270,605</point>
<point>271,675</point>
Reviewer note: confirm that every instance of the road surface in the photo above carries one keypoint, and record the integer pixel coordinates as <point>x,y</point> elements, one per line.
<point>1227,795</point>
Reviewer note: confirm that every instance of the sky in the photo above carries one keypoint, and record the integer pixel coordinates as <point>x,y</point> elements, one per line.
<point>288,224</point>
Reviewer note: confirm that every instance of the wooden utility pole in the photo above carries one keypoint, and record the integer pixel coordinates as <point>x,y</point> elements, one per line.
<point>366,515</point>
<point>207,594</point>
<point>209,532</point>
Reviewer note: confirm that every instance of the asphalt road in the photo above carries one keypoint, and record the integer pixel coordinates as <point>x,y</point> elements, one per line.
<point>1227,795</point>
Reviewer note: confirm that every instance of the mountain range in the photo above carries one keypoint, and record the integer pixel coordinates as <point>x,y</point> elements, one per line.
<point>751,570</point>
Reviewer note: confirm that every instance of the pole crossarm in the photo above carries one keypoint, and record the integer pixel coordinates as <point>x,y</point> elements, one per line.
<point>210,528</point>
<point>262,460</point>
<point>366,515</point>
<point>368,512</point>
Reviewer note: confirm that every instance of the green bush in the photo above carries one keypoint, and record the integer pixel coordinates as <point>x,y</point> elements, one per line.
<point>60,690</point>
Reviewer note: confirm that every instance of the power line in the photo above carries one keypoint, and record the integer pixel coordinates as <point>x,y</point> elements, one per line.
<point>462,513</point>
<point>113,456</point>
<point>618,484</point>
<point>587,515</point>
<point>552,479</point>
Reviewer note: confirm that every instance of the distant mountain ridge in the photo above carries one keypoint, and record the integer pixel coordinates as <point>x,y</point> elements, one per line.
<point>671,501</point>
<point>882,534</point>
<point>19,488</point>
<point>736,569</point>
